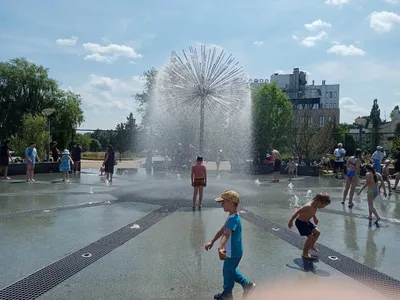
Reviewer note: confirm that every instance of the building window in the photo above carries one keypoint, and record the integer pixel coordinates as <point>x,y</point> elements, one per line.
<point>330,105</point>
<point>334,105</point>
<point>326,95</point>
<point>334,94</point>
<point>329,119</point>
<point>321,121</point>
<point>301,119</point>
<point>310,120</point>
<point>330,95</point>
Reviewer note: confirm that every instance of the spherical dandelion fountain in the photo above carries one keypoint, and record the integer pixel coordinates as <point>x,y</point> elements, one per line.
<point>205,80</point>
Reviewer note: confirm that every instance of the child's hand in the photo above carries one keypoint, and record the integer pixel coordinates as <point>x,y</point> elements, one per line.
<point>192,184</point>
<point>290,225</point>
<point>205,184</point>
<point>316,221</point>
<point>222,254</point>
<point>208,246</point>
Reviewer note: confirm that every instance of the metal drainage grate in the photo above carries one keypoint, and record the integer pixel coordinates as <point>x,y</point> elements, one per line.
<point>45,279</point>
<point>378,281</point>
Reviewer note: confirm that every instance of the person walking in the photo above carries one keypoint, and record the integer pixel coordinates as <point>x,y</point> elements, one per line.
<point>339,153</point>
<point>5,157</point>
<point>31,157</point>
<point>109,163</point>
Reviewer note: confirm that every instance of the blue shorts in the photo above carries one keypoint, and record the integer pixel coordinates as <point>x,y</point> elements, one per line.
<point>350,174</point>
<point>305,228</point>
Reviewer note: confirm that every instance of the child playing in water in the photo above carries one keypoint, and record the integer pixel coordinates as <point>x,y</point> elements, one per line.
<point>199,180</point>
<point>230,248</point>
<point>386,175</point>
<point>303,216</point>
<point>65,165</point>
<point>372,181</point>
<point>102,171</point>
<point>291,167</point>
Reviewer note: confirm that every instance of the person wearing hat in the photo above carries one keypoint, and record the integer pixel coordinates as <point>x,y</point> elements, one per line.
<point>230,248</point>
<point>65,165</point>
<point>339,153</point>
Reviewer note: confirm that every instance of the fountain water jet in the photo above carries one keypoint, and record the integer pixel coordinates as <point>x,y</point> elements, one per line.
<point>202,97</point>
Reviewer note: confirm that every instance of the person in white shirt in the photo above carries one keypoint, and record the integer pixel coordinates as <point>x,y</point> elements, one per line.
<point>339,153</point>
<point>377,158</point>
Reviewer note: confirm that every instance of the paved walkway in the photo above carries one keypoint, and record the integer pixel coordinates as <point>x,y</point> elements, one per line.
<point>139,238</point>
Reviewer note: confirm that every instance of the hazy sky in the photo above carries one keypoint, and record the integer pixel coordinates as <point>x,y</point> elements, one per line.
<point>100,48</point>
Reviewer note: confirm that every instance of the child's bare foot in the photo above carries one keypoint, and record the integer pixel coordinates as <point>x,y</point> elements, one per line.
<point>309,257</point>
<point>315,249</point>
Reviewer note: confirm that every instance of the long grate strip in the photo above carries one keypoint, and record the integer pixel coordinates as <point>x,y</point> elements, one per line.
<point>38,283</point>
<point>378,281</point>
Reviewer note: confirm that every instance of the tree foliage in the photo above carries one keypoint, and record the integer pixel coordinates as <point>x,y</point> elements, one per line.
<point>84,140</point>
<point>395,145</point>
<point>309,141</point>
<point>272,118</point>
<point>125,135</point>
<point>375,119</point>
<point>26,88</point>
<point>32,129</point>
<point>143,98</point>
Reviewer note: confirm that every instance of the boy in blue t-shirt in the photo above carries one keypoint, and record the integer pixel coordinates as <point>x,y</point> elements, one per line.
<point>231,248</point>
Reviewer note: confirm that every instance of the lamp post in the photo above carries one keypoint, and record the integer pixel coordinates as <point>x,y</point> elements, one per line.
<point>360,122</point>
<point>47,112</point>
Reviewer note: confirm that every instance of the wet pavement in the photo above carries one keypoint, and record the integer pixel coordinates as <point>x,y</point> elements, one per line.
<point>143,241</point>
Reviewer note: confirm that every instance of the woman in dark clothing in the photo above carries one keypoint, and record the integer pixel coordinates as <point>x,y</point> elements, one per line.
<point>5,157</point>
<point>109,162</point>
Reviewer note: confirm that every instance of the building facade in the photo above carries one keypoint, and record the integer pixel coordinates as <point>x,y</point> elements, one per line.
<point>318,104</point>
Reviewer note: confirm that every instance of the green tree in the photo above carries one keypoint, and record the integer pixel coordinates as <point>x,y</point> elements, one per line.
<point>94,146</point>
<point>375,117</point>
<point>104,137</point>
<point>32,129</point>
<point>309,141</point>
<point>85,140</point>
<point>130,129</point>
<point>272,118</point>
<point>395,145</point>
<point>143,98</point>
<point>26,88</point>
<point>67,117</point>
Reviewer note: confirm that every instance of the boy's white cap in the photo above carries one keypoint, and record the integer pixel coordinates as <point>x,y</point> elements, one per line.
<point>66,151</point>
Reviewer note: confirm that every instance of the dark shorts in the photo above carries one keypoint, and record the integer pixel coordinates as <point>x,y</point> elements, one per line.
<point>385,178</point>
<point>305,228</point>
<point>277,165</point>
<point>4,161</point>
<point>339,165</point>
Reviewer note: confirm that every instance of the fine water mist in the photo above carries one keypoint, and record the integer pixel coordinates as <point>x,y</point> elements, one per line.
<point>201,105</point>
